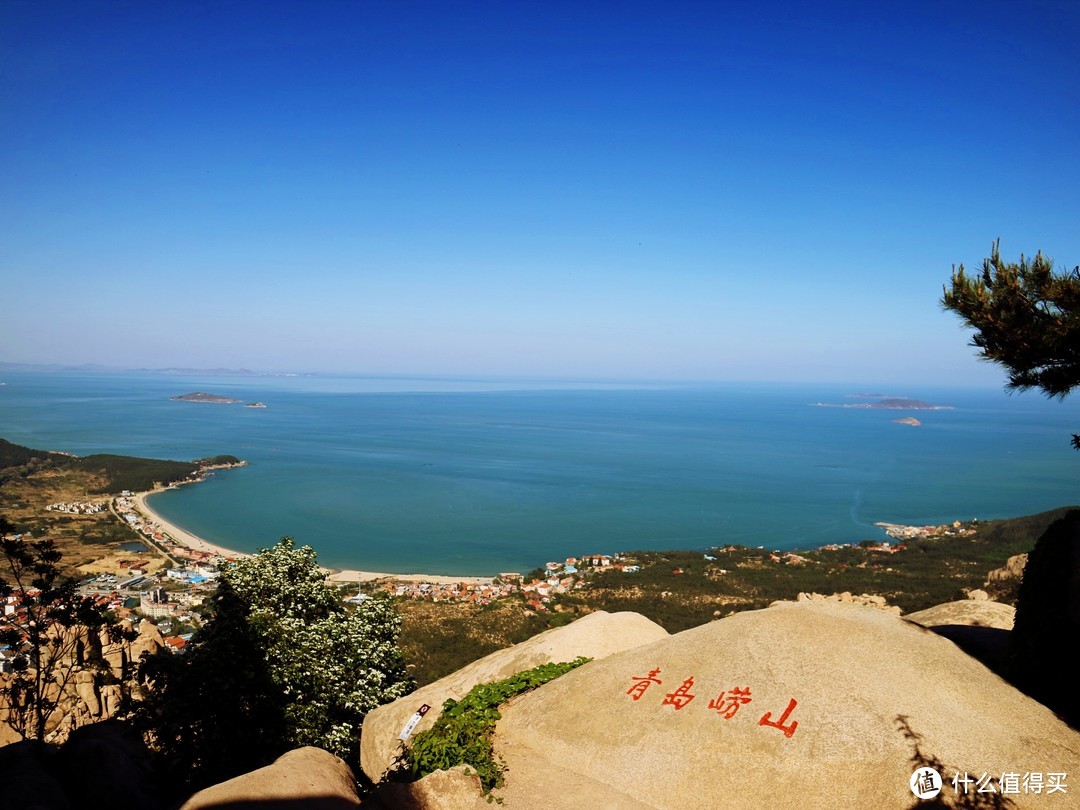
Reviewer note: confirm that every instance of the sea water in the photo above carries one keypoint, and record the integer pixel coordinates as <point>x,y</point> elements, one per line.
<point>478,477</point>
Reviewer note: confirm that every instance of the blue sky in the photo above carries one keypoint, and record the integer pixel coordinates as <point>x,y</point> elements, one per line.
<point>707,191</point>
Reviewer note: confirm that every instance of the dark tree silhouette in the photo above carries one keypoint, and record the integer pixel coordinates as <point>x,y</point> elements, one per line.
<point>50,629</point>
<point>1026,317</point>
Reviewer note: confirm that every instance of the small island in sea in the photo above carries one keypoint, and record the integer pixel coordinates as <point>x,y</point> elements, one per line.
<point>908,420</point>
<point>202,396</point>
<point>883,402</point>
<point>254,405</point>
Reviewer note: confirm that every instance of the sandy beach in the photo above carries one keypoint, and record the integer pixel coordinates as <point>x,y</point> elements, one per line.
<point>352,575</point>
<point>180,536</point>
<point>192,541</point>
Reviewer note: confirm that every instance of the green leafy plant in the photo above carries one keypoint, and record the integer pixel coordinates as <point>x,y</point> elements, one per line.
<point>462,733</point>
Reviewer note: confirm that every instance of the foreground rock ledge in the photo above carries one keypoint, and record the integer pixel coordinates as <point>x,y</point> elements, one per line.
<point>845,702</point>
<point>595,636</point>
<point>307,778</point>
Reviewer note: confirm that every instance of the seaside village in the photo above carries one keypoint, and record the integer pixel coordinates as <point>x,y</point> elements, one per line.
<point>161,580</point>
<point>169,586</point>
<point>559,578</point>
<point>166,581</point>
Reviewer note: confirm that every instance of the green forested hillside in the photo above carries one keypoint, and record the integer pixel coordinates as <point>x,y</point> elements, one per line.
<point>15,455</point>
<point>136,474</point>
<point>119,472</point>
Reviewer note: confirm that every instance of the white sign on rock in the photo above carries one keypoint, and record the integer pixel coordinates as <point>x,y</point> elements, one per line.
<point>408,730</point>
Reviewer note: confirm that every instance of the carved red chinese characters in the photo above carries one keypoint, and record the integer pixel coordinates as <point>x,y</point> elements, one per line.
<point>638,689</point>
<point>788,730</point>
<point>727,703</point>
<point>681,696</point>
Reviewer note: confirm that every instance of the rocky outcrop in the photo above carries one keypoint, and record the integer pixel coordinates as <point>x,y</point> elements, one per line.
<point>306,777</point>
<point>980,627</point>
<point>970,612</point>
<point>802,705</point>
<point>1012,570</point>
<point>454,789</point>
<point>87,691</point>
<point>864,599</point>
<point>596,635</point>
<point>122,656</point>
<point>79,687</point>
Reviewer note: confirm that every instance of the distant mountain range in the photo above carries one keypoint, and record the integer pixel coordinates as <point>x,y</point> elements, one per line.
<point>202,372</point>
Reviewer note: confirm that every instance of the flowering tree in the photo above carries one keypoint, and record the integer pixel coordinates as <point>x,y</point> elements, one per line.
<point>283,663</point>
<point>333,665</point>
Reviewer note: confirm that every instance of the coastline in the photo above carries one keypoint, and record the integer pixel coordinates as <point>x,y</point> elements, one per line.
<point>180,536</point>
<point>354,575</point>
<point>192,541</point>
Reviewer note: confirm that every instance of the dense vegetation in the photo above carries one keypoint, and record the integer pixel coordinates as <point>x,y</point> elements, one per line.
<point>925,573</point>
<point>439,638</point>
<point>218,461</point>
<point>15,455</point>
<point>462,733</point>
<point>135,474</point>
<point>116,473</point>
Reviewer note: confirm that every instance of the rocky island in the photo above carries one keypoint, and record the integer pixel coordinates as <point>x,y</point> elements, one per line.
<point>886,403</point>
<point>202,396</point>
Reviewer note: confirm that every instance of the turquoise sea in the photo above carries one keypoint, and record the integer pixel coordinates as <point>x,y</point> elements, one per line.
<point>477,477</point>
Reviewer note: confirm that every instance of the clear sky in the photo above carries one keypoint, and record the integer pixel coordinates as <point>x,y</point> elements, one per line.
<point>713,191</point>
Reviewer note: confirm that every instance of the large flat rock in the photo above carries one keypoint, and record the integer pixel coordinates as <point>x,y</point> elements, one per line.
<point>596,636</point>
<point>800,705</point>
<point>971,612</point>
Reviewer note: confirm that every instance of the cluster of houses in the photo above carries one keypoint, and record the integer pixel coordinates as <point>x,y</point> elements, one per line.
<point>559,578</point>
<point>125,508</point>
<point>478,593</point>
<point>77,507</point>
<point>197,573</point>
<point>954,529</point>
<point>788,557</point>
<point>153,602</point>
<point>14,614</point>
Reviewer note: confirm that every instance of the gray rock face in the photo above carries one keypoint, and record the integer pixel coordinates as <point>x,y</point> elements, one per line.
<point>596,636</point>
<point>801,705</point>
<point>306,777</point>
